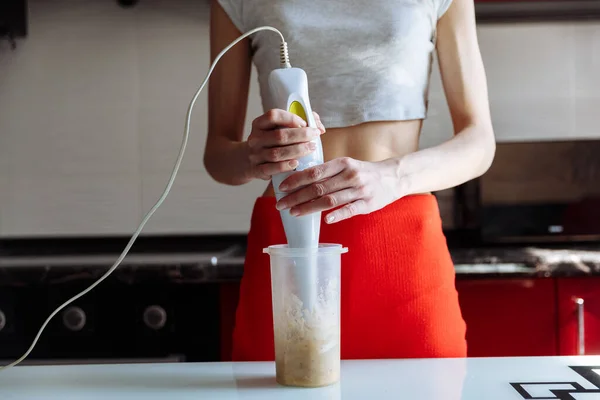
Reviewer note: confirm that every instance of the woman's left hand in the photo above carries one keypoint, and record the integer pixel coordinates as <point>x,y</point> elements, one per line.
<point>360,187</point>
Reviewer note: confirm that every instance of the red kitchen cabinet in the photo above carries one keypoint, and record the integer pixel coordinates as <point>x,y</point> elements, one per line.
<point>505,317</point>
<point>509,317</point>
<point>579,315</point>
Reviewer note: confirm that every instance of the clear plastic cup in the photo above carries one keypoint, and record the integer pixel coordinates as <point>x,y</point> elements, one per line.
<point>305,284</point>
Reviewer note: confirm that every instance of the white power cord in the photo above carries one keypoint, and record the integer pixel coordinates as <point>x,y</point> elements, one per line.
<point>284,63</point>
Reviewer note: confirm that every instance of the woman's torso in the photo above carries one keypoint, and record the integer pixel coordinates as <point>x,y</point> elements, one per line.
<point>371,141</point>
<point>368,65</point>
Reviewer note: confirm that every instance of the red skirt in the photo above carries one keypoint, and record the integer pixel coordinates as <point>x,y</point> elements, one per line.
<point>399,298</point>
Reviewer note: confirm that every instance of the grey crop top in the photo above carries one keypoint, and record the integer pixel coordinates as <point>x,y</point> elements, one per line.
<point>365,60</point>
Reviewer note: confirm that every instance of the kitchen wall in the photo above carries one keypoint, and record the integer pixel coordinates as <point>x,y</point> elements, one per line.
<point>92,108</point>
<point>543,80</point>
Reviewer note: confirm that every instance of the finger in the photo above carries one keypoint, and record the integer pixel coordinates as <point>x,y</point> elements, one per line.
<point>282,137</point>
<point>283,153</point>
<point>350,210</point>
<point>270,169</point>
<point>276,118</point>
<point>313,192</point>
<point>319,122</point>
<point>314,174</point>
<point>327,202</point>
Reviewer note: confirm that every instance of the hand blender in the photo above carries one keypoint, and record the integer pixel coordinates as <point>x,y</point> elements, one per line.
<point>289,90</point>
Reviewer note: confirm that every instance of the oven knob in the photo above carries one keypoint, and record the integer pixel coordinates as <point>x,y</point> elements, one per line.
<point>155,317</point>
<point>74,318</point>
<point>2,320</point>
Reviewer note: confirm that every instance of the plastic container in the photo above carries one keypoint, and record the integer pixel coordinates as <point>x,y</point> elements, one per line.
<point>307,338</point>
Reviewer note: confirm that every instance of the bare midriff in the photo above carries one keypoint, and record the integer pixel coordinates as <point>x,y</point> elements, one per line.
<point>371,141</point>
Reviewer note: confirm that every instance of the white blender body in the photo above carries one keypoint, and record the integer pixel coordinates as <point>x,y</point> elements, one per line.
<point>289,89</point>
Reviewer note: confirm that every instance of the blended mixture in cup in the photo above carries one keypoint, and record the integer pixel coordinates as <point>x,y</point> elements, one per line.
<point>307,344</point>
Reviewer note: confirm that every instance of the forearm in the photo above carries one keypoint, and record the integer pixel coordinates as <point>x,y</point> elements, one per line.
<point>226,161</point>
<point>466,156</point>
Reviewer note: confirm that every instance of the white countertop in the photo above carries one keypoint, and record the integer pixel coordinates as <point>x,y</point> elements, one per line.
<point>445,379</point>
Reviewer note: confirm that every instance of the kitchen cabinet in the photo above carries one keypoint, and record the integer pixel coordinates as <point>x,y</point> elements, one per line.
<point>229,294</point>
<point>579,315</point>
<point>127,317</point>
<point>534,10</point>
<point>509,317</point>
<point>505,317</point>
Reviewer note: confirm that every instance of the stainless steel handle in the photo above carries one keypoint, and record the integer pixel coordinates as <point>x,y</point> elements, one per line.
<point>214,260</point>
<point>2,320</point>
<point>580,326</point>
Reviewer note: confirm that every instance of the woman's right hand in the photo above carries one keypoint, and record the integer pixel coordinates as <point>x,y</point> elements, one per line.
<point>277,140</point>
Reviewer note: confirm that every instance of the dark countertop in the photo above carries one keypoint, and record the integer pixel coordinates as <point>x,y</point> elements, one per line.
<point>228,267</point>
<point>220,259</point>
<point>528,261</point>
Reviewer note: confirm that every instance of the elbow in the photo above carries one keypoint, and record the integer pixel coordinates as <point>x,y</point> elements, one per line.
<point>486,147</point>
<point>212,171</point>
<point>219,174</point>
